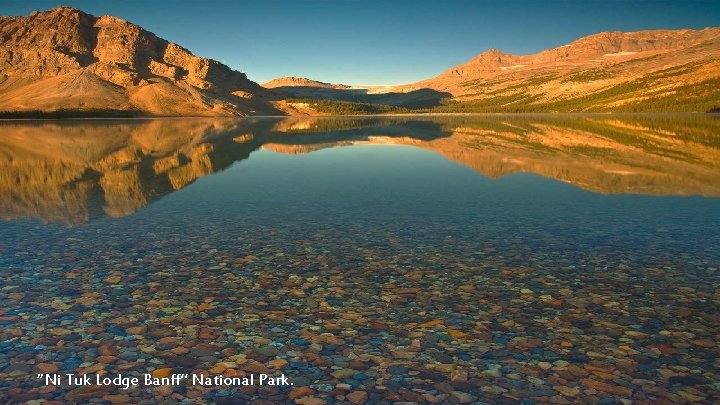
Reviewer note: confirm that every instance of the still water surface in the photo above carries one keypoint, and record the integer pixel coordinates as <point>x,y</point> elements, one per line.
<point>448,259</point>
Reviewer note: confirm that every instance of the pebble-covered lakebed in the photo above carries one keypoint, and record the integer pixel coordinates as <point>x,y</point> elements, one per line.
<point>374,275</point>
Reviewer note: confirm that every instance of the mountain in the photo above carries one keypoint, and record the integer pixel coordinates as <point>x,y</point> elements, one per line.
<point>657,70</point>
<point>644,71</point>
<point>302,96</point>
<point>67,59</point>
<point>301,82</point>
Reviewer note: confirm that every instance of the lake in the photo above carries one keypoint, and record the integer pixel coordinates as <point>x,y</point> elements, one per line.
<point>446,259</point>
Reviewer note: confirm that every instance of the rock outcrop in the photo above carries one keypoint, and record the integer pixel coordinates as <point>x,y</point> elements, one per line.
<point>67,59</point>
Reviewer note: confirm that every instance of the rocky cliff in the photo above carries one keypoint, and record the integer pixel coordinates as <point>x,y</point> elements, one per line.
<point>67,59</point>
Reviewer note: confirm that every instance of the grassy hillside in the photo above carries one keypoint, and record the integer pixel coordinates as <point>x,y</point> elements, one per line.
<point>632,96</point>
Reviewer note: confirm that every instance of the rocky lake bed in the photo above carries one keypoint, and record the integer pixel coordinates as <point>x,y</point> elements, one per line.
<point>363,274</point>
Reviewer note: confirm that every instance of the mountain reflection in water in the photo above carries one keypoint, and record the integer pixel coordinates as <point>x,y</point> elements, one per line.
<point>72,172</point>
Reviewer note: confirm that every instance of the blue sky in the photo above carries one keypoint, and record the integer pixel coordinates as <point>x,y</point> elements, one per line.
<point>379,42</point>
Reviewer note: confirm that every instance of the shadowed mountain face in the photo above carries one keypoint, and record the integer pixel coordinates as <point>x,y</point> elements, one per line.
<point>74,172</point>
<point>417,98</point>
<point>67,59</point>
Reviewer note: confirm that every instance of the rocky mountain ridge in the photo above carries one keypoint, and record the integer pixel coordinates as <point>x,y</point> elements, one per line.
<point>67,59</point>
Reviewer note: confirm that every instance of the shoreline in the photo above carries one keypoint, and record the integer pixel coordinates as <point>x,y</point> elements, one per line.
<point>500,114</point>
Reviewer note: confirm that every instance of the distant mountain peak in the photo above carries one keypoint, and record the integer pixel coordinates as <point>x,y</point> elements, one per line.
<point>293,81</point>
<point>59,12</point>
<point>493,52</point>
<point>63,9</point>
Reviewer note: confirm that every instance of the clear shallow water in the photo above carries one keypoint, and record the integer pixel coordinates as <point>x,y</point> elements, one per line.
<point>421,261</point>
